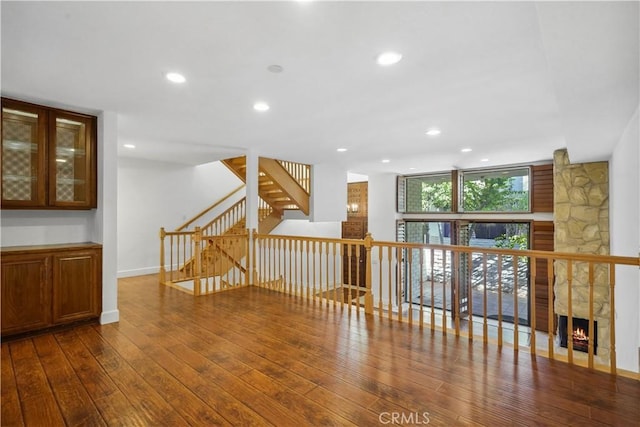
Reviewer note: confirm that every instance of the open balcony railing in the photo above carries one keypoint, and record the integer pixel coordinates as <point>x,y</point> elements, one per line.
<point>483,294</point>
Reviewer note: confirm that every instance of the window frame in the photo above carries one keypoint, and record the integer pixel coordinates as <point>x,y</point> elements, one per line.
<point>451,178</point>
<point>460,188</point>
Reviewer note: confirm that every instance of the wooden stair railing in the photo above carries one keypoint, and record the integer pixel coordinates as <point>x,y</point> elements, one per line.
<point>231,222</point>
<point>209,209</point>
<point>283,185</point>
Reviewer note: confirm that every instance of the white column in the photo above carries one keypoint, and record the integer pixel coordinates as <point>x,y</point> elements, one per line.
<point>252,189</point>
<point>105,221</point>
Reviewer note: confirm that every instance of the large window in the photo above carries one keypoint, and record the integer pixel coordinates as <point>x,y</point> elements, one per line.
<point>504,190</point>
<point>430,193</point>
<point>492,190</point>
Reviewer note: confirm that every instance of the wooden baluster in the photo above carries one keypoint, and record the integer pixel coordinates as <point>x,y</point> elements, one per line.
<point>252,264</point>
<point>300,266</point>
<point>291,266</point>
<point>470,292</point>
<point>499,300</point>
<point>550,295</point>
<point>570,311</point>
<point>409,270</point>
<point>444,292</point>
<point>400,281</point>
<point>171,258</point>
<point>533,262</point>
<point>326,274</point>
<point>612,318</point>
<point>368,297</point>
<point>421,287</point>
<point>197,241</point>
<point>163,272</point>
<point>258,260</point>
<point>307,268</point>
<point>273,263</point>
<point>349,276</point>
<point>380,279</point>
<point>334,251</point>
<point>432,256</point>
<point>516,319</point>
<point>390,281</point>
<point>592,332</point>
<point>313,271</point>
<point>485,324</point>
<point>279,273</point>
<point>456,285</point>
<point>186,245</point>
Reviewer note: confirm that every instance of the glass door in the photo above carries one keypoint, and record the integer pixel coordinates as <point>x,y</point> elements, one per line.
<point>70,168</point>
<point>505,279</point>
<point>461,282</point>
<point>24,139</point>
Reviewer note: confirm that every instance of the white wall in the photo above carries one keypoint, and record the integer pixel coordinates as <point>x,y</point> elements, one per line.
<point>624,178</point>
<point>328,193</point>
<point>382,224</point>
<point>42,227</point>
<point>294,227</point>
<point>154,194</point>
<point>382,206</point>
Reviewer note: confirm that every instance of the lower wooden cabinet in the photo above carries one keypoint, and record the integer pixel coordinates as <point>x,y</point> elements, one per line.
<point>49,285</point>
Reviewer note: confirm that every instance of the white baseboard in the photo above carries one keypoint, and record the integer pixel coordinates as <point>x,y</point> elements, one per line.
<point>138,272</point>
<point>111,316</point>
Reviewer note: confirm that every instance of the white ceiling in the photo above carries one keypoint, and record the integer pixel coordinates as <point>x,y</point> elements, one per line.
<point>512,80</point>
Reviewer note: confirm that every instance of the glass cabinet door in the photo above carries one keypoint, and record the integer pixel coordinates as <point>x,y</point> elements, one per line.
<point>70,155</point>
<point>24,137</point>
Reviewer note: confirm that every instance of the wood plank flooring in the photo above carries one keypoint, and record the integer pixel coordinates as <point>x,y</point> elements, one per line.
<point>252,356</point>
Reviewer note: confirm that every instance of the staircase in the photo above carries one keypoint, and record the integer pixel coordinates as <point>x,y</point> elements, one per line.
<point>282,185</point>
<point>219,247</point>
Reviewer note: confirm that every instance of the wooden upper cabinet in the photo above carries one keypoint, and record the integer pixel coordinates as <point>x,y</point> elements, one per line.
<point>24,155</point>
<point>72,160</point>
<point>48,158</point>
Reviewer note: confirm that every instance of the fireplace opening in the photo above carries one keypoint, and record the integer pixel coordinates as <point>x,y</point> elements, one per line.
<point>580,334</point>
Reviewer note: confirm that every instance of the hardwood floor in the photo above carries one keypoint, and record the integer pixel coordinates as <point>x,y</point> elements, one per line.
<point>252,356</point>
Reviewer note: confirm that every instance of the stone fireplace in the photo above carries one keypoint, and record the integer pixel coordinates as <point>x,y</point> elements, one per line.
<point>581,220</point>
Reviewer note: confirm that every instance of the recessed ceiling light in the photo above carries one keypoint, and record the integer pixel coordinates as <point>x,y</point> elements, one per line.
<point>261,106</point>
<point>388,58</point>
<point>484,160</point>
<point>434,132</point>
<point>386,161</point>
<point>176,78</point>
<point>466,150</point>
<point>129,146</point>
<point>341,150</point>
<point>412,169</point>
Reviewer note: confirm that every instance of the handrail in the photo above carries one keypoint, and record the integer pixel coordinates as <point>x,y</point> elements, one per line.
<point>400,281</point>
<point>300,172</point>
<point>210,208</point>
<point>227,219</point>
<point>478,289</point>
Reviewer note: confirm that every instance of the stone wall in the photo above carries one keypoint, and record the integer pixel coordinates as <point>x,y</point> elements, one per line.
<point>581,220</point>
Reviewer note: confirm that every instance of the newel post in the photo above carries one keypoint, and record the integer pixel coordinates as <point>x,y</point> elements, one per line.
<point>368,297</point>
<point>197,260</point>
<point>163,271</point>
<point>254,258</point>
